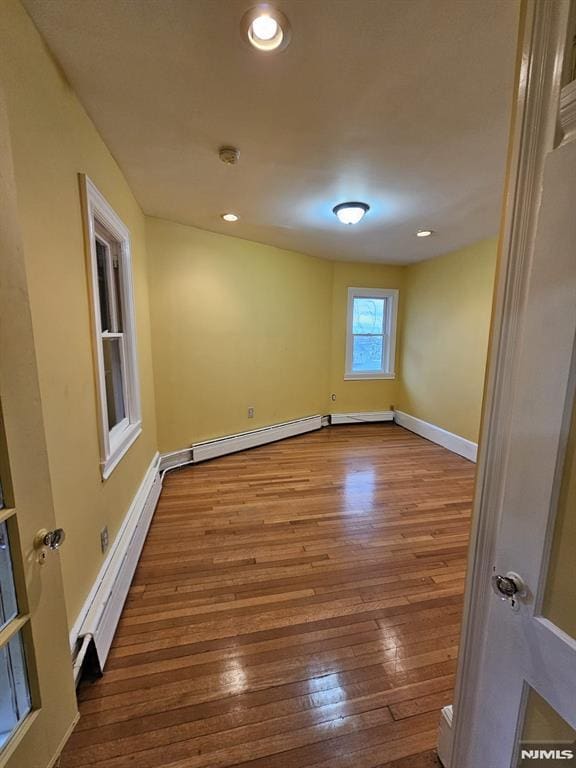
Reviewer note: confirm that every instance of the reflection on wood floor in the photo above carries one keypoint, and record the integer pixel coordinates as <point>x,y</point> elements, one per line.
<point>295,605</point>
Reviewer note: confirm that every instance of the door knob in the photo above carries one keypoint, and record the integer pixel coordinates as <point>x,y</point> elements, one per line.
<point>48,540</point>
<point>510,587</point>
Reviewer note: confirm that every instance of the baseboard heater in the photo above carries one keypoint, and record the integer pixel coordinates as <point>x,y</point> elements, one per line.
<point>210,449</point>
<point>362,417</point>
<point>95,628</point>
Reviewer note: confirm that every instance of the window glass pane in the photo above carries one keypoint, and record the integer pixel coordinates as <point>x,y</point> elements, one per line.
<point>14,690</point>
<point>103,293</point>
<point>117,277</point>
<point>8,604</point>
<point>367,353</point>
<point>114,377</point>
<point>368,315</point>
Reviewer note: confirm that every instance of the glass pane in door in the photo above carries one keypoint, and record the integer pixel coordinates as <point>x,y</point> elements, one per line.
<point>546,738</point>
<point>560,595</point>
<point>14,691</point>
<point>8,604</point>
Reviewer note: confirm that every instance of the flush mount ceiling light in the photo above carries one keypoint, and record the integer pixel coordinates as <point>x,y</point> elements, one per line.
<point>350,213</point>
<point>230,217</point>
<point>424,232</point>
<point>265,28</point>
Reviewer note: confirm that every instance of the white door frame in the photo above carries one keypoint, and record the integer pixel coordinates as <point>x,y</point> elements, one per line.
<point>534,133</point>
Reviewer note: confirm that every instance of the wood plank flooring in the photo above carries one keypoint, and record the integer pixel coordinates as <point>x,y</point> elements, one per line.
<point>295,605</point>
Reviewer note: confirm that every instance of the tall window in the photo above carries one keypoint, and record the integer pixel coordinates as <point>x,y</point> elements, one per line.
<point>113,319</point>
<point>371,333</point>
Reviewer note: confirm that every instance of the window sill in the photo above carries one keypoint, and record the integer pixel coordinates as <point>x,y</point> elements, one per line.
<point>125,441</point>
<point>368,376</point>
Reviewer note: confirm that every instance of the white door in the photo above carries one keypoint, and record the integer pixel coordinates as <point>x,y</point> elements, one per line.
<point>516,698</point>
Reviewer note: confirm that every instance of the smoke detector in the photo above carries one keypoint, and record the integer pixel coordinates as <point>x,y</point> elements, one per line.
<point>229,155</point>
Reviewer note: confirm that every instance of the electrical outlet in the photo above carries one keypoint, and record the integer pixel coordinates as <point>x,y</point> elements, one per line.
<point>250,413</point>
<point>104,540</point>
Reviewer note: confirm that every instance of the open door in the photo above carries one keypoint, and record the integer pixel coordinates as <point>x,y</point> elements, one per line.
<point>37,697</point>
<point>516,696</point>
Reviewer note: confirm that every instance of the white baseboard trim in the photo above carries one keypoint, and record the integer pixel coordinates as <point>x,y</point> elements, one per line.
<point>101,611</point>
<point>210,449</point>
<point>445,736</point>
<point>359,418</point>
<point>449,440</point>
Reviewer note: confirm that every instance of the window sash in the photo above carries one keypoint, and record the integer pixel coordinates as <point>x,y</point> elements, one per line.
<point>114,302</point>
<point>381,367</point>
<point>385,311</point>
<point>119,426</point>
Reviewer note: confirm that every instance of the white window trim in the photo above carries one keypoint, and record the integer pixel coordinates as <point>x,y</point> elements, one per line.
<point>388,370</point>
<point>115,442</point>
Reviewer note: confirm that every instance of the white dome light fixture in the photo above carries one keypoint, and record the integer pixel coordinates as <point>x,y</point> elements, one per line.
<point>265,28</point>
<point>230,217</point>
<point>350,213</point>
<point>424,232</point>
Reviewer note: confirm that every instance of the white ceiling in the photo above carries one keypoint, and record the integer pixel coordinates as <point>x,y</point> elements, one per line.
<point>403,104</point>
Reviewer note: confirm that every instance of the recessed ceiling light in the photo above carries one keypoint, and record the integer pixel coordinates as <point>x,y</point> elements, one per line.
<point>266,28</point>
<point>424,232</point>
<point>350,213</point>
<point>230,217</point>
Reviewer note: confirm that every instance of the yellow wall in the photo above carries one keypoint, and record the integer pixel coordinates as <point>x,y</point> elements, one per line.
<point>446,317</point>
<point>52,141</point>
<point>354,396</point>
<point>235,325</point>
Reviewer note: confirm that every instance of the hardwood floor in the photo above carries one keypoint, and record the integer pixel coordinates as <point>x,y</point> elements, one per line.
<point>295,605</point>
